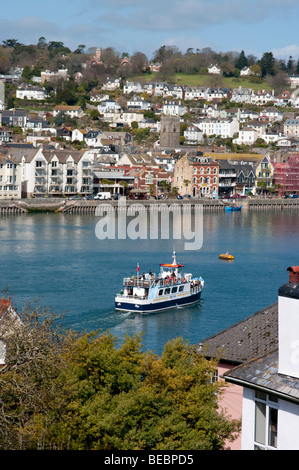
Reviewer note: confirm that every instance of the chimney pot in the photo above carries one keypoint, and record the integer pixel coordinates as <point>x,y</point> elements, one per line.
<point>293,274</point>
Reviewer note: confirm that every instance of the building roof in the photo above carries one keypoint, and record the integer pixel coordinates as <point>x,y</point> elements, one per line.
<point>263,372</point>
<point>248,339</point>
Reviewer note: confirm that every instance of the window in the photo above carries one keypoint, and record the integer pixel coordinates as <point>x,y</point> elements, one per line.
<point>38,164</point>
<point>174,289</point>
<point>167,291</point>
<point>54,164</point>
<point>266,420</point>
<point>161,292</point>
<point>181,288</point>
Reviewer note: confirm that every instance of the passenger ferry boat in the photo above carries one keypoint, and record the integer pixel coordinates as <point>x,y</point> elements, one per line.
<point>150,293</point>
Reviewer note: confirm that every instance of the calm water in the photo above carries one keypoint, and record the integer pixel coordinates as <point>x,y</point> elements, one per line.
<point>57,259</point>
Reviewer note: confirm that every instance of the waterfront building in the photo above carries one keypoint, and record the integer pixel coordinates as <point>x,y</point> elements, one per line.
<point>10,178</point>
<point>69,172</point>
<point>51,173</point>
<point>112,179</point>
<point>286,175</point>
<point>197,176</point>
<point>150,180</point>
<point>227,178</point>
<point>264,174</point>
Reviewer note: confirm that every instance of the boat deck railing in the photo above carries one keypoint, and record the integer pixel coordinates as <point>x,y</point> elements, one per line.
<point>195,286</point>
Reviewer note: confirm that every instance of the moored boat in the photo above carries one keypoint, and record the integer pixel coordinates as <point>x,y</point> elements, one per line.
<point>150,292</point>
<point>226,256</point>
<point>232,208</point>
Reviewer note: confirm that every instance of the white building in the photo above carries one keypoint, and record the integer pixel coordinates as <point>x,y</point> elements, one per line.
<point>10,178</point>
<point>174,109</point>
<point>138,103</point>
<point>79,134</point>
<point>247,136</point>
<point>27,92</point>
<point>40,173</point>
<point>245,72</point>
<point>270,412</point>
<point>223,128</point>
<point>214,69</point>
<point>241,95</point>
<point>112,84</point>
<point>195,93</point>
<point>262,97</point>
<point>108,105</point>
<point>132,87</point>
<point>71,111</point>
<point>193,135</point>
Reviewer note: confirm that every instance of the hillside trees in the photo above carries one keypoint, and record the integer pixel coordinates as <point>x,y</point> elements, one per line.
<point>61,390</point>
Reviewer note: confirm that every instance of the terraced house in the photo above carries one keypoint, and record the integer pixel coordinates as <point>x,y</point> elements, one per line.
<point>33,172</point>
<point>197,176</point>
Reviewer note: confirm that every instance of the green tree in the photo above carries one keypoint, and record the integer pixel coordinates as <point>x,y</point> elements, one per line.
<point>27,72</point>
<point>127,400</point>
<point>67,391</point>
<point>241,61</point>
<point>267,64</point>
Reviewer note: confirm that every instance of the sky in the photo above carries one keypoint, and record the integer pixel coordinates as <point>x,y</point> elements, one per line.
<point>255,26</point>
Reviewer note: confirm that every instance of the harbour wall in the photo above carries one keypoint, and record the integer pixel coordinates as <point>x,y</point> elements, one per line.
<point>25,206</point>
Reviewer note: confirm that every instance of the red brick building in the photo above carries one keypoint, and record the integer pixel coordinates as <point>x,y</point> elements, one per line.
<point>286,174</point>
<point>197,176</point>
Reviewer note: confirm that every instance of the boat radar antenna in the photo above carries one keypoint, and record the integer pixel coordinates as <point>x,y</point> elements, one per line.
<point>174,259</point>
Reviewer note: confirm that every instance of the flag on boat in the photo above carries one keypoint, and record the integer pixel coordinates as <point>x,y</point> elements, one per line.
<point>137,267</point>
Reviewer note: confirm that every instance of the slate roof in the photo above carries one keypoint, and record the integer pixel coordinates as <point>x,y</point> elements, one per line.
<point>252,345</point>
<point>248,339</point>
<point>263,372</point>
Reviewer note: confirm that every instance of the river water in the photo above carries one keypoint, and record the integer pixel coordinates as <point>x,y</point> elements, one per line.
<point>59,260</point>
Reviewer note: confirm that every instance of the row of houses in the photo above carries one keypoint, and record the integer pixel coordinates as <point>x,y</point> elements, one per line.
<point>27,172</point>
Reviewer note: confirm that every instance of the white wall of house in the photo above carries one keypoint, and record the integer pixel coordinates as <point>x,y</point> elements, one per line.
<point>288,423</point>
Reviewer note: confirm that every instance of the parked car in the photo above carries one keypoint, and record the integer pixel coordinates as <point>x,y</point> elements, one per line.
<point>179,196</point>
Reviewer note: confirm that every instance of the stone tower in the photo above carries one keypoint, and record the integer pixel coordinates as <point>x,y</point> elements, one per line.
<point>170,132</point>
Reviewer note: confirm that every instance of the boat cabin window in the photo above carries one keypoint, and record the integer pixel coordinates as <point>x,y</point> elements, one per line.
<point>161,292</point>
<point>181,288</point>
<point>174,289</point>
<point>167,291</point>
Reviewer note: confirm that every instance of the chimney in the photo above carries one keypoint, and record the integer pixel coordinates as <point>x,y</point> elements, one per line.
<point>288,325</point>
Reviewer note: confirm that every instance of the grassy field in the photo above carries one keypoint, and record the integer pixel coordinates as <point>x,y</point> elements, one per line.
<point>205,80</point>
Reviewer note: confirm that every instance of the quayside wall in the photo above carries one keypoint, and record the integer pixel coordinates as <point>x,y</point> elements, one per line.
<point>25,206</point>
